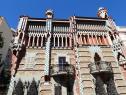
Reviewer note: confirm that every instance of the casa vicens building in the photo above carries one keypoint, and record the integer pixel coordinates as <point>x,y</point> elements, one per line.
<point>72,56</point>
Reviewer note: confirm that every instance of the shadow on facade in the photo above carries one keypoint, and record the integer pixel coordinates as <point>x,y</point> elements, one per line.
<point>20,55</point>
<point>104,79</point>
<point>67,81</point>
<point>64,75</point>
<point>27,88</point>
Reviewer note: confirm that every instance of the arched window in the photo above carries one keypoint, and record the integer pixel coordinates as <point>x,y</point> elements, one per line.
<point>44,43</point>
<point>86,38</point>
<point>119,55</point>
<point>64,41</point>
<point>68,43</point>
<point>60,41</point>
<point>26,40</point>
<point>94,39</point>
<point>56,41</point>
<point>20,37</point>
<point>52,41</point>
<point>97,58</point>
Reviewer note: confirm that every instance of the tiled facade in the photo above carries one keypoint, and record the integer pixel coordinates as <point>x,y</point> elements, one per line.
<point>66,57</point>
<point>122,36</point>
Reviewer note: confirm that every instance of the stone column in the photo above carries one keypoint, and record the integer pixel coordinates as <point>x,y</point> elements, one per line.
<point>88,38</point>
<point>33,41</point>
<point>100,90</point>
<point>54,41</point>
<point>58,40</point>
<point>42,41</point>
<point>92,40</point>
<point>66,41</point>
<point>81,39</point>
<point>99,40</point>
<point>29,40</point>
<point>96,39</point>
<point>84,40</point>
<point>70,42</point>
<point>62,41</point>
<point>38,40</point>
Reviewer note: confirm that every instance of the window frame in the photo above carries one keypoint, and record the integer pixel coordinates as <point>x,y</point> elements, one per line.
<point>1,40</point>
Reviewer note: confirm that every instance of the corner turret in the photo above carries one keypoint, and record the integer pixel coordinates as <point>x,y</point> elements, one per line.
<point>49,13</point>
<point>102,12</point>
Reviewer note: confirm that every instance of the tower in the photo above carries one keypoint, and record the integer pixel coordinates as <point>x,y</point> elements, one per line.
<point>49,13</point>
<point>102,12</point>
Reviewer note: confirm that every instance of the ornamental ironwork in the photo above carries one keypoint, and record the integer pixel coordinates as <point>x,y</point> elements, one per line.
<point>100,66</point>
<point>62,69</point>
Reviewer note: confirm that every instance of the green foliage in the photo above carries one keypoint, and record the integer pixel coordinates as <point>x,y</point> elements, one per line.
<point>18,90</point>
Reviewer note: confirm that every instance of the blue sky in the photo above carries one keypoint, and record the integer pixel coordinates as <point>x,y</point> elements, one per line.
<point>12,9</point>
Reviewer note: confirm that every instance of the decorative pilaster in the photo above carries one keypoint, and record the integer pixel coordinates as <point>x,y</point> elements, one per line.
<point>54,41</point>
<point>49,15</point>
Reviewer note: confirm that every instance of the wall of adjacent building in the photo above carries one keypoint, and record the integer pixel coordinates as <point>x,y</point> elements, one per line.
<point>7,37</point>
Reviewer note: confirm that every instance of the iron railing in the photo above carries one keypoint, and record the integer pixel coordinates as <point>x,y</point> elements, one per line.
<point>101,66</point>
<point>59,69</point>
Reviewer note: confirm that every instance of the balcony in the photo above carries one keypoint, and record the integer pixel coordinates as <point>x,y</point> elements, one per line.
<point>100,67</point>
<point>62,69</point>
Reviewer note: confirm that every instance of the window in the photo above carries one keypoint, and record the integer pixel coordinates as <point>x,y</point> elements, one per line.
<point>1,40</point>
<point>62,60</point>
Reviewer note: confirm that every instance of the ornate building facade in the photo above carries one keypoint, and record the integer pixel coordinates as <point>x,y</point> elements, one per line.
<point>73,56</point>
<point>122,36</point>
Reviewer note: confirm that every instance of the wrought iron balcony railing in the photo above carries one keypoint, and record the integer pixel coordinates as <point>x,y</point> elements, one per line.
<point>62,69</point>
<point>100,67</point>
